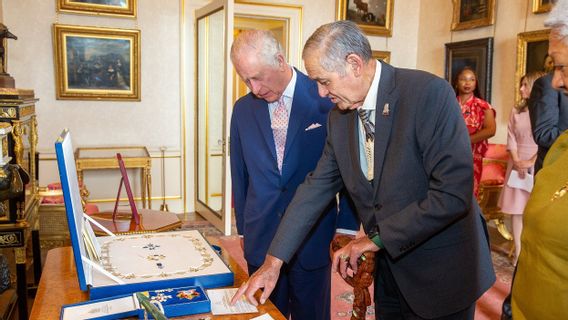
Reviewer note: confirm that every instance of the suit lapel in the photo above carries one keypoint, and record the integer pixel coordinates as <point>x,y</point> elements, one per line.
<point>301,108</point>
<point>383,122</point>
<point>262,117</point>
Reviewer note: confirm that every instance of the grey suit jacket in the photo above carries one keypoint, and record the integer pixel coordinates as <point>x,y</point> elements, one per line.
<point>548,110</point>
<point>421,198</point>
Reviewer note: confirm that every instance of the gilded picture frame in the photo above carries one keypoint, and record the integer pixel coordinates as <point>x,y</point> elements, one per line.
<point>532,55</point>
<point>469,14</point>
<point>373,20</point>
<point>126,8</point>
<point>476,54</point>
<point>93,63</point>
<point>382,55</point>
<point>542,6</point>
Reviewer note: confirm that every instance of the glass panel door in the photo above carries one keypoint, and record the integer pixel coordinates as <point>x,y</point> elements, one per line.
<point>213,95</point>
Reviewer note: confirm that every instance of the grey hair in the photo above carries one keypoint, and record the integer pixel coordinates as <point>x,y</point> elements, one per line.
<point>336,41</point>
<point>558,19</point>
<point>263,42</point>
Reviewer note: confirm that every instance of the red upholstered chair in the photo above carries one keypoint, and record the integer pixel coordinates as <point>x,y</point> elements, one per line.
<point>52,218</point>
<point>53,195</point>
<point>492,181</point>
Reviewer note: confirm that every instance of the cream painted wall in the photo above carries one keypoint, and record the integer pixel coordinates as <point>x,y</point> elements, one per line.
<point>512,17</point>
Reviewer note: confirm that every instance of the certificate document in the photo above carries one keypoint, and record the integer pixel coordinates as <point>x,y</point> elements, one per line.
<point>221,302</point>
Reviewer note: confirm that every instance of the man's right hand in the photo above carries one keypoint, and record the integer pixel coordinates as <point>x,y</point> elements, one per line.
<point>265,277</point>
<point>347,256</point>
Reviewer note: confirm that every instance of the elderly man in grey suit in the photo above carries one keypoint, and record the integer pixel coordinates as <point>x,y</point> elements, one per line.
<point>398,143</point>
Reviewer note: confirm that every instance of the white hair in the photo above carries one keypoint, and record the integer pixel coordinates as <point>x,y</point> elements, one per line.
<point>262,42</point>
<point>336,41</point>
<point>558,19</point>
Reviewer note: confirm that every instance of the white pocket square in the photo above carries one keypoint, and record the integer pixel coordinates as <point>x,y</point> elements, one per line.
<point>313,126</point>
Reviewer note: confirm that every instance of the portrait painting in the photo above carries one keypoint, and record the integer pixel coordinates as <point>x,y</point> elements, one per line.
<point>97,63</point>
<point>99,7</point>
<point>470,14</point>
<point>374,17</point>
<point>476,54</point>
<point>542,6</point>
<point>532,55</point>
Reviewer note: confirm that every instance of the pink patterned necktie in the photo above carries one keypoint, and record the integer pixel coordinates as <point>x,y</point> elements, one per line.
<point>279,130</point>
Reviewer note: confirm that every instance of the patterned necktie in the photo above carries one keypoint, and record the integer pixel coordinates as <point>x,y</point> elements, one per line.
<point>369,140</point>
<point>279,130</point>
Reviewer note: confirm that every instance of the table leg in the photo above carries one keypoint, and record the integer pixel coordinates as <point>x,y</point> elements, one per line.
<point>21,283</point>
<point>143,186</point>
<point>36,256</point>
<point>149,186</point>
<point>80,176</point>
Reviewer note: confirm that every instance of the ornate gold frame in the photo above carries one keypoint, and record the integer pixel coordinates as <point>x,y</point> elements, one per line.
<point>539,7</point>
<point>383,55</point>
<point>98,9</point>
<point>523,40</point>
<point>60,34</point>
<point>386,30</point>
<point>482,22</point>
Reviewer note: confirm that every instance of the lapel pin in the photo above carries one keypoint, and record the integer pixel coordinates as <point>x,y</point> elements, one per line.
<point>386,110</point>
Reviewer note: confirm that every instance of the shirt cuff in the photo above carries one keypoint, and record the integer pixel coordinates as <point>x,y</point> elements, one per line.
<point>346,231</point>
<point>377,241</point>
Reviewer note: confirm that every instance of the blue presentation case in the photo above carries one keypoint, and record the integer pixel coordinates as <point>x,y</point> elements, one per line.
<point>176,302</point>
<point>124,264</point>
<point>179,302</point>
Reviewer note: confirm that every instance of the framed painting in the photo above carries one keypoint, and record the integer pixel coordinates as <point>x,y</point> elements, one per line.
<point>382,55</point>
<point>542,6</point>
<point>532,55</point>
<point>476,54</point>
<point>469,14</point>
<point>125,8</point>
<point>96,63</point>
<point>374,17</point>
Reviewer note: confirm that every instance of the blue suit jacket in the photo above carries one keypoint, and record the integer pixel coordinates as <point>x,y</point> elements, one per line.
<point>260,193</point>
<point>548,110</point>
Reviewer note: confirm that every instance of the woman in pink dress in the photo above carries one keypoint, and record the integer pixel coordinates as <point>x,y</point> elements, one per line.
<point>479,118</point>
<point>522,156</point>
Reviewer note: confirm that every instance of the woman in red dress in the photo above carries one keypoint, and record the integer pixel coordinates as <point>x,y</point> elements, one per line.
<point>479,118</point>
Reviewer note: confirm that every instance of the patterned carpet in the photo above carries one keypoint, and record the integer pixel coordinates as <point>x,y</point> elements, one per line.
<point>488,306</point>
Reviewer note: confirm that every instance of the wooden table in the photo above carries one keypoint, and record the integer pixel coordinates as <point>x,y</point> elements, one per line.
<point>59,286</point>
<point>101,158</point>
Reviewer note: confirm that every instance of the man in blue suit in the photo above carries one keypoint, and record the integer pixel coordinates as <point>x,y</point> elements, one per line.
<point>278,132</point>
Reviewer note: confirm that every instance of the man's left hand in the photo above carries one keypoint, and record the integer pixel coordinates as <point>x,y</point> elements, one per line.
<point>265,277</point>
